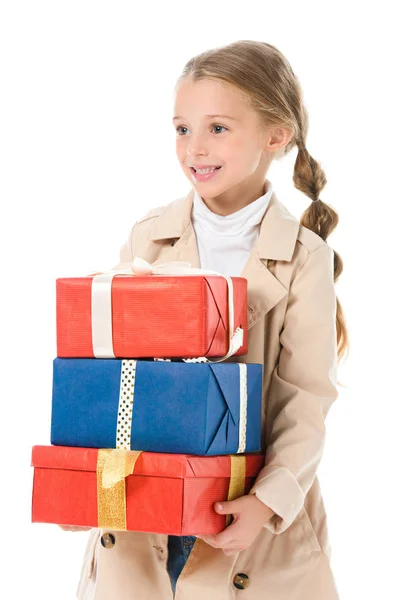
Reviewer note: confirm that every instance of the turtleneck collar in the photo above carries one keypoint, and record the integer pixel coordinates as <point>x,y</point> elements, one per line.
<point>234,224</point>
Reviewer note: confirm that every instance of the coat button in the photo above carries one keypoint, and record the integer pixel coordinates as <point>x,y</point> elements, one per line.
<point>241,581</point>
<point>107,540</point>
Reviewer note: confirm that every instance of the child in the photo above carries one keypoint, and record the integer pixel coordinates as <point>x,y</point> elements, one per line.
<point>237,108</point>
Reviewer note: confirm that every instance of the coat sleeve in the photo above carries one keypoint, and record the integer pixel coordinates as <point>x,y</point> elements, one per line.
<point>303,387</point>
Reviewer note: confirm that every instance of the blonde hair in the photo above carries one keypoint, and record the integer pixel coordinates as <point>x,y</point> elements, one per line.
<point>262,74</point>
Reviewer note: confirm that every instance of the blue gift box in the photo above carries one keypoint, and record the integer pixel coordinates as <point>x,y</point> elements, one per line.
<point>157,406</point>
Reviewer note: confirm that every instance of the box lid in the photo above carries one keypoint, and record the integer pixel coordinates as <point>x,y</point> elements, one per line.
<point>156,464</point>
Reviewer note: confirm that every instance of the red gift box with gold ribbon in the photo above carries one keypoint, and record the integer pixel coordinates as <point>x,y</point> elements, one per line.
<point>137,491</point>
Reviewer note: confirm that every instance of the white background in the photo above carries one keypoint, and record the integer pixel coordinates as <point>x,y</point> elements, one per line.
<point>87,146</point>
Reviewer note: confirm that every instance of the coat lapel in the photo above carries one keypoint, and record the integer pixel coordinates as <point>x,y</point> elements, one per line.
<point>276,241</point>
<point>175,223</point>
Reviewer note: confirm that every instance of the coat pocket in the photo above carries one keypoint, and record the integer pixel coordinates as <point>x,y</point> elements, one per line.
<point>309,531</point>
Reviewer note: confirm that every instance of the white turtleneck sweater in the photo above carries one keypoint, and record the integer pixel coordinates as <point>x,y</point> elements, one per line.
<point>225,242</point>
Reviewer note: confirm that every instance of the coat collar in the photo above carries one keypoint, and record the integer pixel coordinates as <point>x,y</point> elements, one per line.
<point>276,241</point>
<point>278,228</point>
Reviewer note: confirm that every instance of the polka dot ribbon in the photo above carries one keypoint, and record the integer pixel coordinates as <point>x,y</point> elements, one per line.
<point>125,406</point>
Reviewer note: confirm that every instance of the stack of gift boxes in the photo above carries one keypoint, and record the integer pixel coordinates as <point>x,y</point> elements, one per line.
<point>152,420</point>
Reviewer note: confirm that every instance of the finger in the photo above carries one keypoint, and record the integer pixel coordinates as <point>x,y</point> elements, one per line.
<point>229,535</point>
<point>215,544</point>
<point>210,543</point>
<point>216,540</point>
<point>224,537</point>
<point>229,507</point>
<point>206,538</point>
<point>233,543</point>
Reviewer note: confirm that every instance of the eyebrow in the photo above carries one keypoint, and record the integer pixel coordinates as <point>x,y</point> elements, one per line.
<point>211,117</point>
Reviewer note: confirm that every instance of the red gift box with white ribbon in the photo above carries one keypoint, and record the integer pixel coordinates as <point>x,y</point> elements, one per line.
<point>160,311</point>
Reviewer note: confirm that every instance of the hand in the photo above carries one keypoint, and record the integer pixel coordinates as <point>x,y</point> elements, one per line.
<point>249,516</point>
<point>74,528</point>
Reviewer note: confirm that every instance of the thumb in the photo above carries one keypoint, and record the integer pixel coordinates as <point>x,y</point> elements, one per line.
<point>228,507</point>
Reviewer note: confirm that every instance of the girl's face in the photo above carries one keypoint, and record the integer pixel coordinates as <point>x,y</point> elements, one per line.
<point>234,142</point>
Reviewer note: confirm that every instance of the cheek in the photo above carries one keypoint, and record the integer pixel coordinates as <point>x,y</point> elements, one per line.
<point>236,152</point>
<point>181,149</point>
<point>248,157</point>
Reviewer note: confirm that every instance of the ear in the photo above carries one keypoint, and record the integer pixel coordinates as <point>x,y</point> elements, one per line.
<point>277,138</point>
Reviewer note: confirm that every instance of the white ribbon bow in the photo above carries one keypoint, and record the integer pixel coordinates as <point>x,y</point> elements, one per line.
<point>102,311</point>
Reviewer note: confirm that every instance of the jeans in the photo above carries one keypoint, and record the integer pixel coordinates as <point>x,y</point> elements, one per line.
<point>179,548</point>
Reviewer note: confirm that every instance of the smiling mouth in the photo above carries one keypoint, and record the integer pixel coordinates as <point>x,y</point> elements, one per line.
<point>196,171</point>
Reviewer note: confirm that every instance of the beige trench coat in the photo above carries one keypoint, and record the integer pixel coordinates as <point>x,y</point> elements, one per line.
<point>292,332</point>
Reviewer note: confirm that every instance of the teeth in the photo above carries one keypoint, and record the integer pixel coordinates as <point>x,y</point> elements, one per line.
<point>203,171</point>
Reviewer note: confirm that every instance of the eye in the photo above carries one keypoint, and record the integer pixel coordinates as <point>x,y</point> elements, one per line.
<point>213,125</point>
<point>180,127</point>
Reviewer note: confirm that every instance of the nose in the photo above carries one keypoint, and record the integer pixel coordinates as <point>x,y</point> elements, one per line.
<point>196,146</point>
<point>198,151</point>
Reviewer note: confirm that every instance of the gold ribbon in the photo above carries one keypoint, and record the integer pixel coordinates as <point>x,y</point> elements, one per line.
<point>237,480</point>
<point>112,468</point>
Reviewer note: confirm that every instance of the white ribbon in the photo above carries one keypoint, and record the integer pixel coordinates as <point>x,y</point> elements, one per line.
<point>102,308</point>
<point>243,407</point>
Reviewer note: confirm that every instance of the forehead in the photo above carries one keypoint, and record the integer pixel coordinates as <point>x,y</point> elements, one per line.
<point>209,97</point>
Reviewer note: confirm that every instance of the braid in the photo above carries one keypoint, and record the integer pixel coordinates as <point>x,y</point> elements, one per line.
<point>320,217</point>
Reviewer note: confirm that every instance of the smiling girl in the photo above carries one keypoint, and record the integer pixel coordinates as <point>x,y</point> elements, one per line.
<point>236,109</point>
